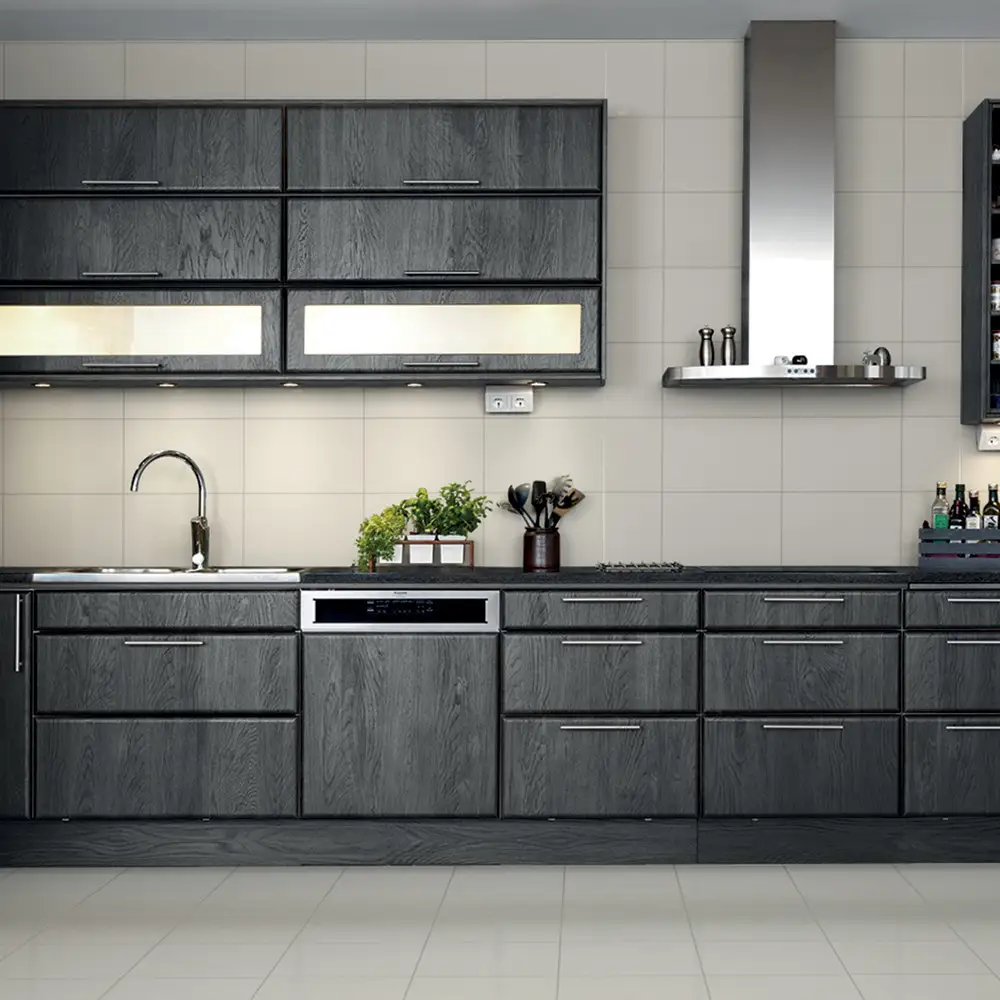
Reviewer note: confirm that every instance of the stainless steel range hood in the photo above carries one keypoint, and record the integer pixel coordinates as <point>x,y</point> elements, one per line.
<point>788,219</point>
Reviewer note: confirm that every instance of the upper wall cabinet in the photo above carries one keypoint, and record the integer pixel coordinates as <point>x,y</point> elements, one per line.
<point>106,148</point>
<point>413,147</point>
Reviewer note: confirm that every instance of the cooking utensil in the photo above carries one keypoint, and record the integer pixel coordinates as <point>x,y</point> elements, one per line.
<point>566,504</point>
<point>517,504</point>
<point>560,486</point>
<point>538,501</point>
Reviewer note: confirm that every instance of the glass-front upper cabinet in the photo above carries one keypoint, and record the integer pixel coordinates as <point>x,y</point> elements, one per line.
<point>139,332</point>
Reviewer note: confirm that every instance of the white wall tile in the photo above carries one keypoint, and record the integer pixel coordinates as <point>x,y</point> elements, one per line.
<point>401,456</point>
<point>703,154</point>
<point>633,451</point>
<point>867,537</point>
<point>633,525</point>
<point>694,297</point>
<point>981,67</point>
<point>933,154</point>
<point>916,508</point>
<point>306,530</point>
<point>635,305</point>
<point>183,404</point>
<point>700,529</point>
<point>933,78</point>
<point>216,445</point>
<point>425,70</point>
<point>716,455</point>
<point>182,70</point>
<point>634,78</point>
<point>940,393</point>
<point>932,306</point>
<point>932,450</point>
<point>836,401</point>
<point>869,304</point>
<point>633,388</point>
<point>870,154</point>
<point>869,230</point>
<point>428,401</point>
<point>304,456</point>
<point>63,404</point>
<point>635,154</point>
<point>978,468</point>
<point>635,230</point>
<point>303,404</point>
<point>157,529</point>
<point>870,78</point>
<point>305,71</point>
<point>932,230</point>
<point>841,454</point>
<point>690,401</point>
<point>545,69</point>
<point>702,230</point>
<point>45,71</point>
<point>704,79</point>
<point>77,530</point>
<point>62,456</point>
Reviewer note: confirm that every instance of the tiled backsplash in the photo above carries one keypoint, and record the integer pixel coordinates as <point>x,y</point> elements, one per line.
<point>703,476</point>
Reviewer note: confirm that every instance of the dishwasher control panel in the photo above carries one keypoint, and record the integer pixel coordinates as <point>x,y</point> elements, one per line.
<point>400,611</point>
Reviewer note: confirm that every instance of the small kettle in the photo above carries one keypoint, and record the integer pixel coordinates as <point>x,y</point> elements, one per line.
<point>879,356</point>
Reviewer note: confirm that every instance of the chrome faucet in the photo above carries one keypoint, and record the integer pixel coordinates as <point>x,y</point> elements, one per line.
<point>199,524</point>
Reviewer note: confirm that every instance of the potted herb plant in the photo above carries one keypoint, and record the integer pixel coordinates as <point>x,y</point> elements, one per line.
<point>378,536</point>
<point>459,514</point>
<point>422,512</point>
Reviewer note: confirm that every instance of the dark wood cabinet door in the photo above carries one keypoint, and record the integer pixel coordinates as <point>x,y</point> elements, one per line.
<point>140,148</point>
<point>189,673</point>
<point>953,609</point>
<point>600,672</point>
<point>444,239</point>
<point>133,331</point>
<point>167,768</point>
<point>798,766</point>
<point>140,239</point>
<point>442,333</point>
<point>774,672</point>
<point>612,767</point>
<point>600,609</point>
<point>802,609</point>
<point>15,707</point>
<point>414,147</point>
<point>952,766</point>
<point>401,725</point>
<point>952,672</point>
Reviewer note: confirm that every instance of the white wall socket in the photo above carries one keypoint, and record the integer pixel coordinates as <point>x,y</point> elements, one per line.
<point>509,399</point>
<point>989,438</point>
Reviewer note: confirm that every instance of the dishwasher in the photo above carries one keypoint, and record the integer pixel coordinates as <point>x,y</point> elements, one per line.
<point>400,703</point>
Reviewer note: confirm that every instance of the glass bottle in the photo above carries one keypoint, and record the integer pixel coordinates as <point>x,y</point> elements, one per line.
<point>939,509</point>
<point>974,519</point>
<point>991,512</point>
<point>959,509</point>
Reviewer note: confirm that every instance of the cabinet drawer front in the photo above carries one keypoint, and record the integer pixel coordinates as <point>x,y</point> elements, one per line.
<point>600,767</point>
<point>107,674</point>
<point>600,672</point>
<point>824,672</point>
<point>802,609</point>
<point>173,611</point>
<point>184,768</point>
<point>953,609</point>
<point>799,766</point>
<point>136,239</point>
<point>952,672</point>
<point>952,766</point>
<point>140,149</point>
<point>612,609</point>
<point>445,147</point>
<point>444,239</point>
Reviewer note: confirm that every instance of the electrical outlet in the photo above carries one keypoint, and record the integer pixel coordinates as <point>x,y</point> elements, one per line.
<point>989,438</point>
<point>509,399</point>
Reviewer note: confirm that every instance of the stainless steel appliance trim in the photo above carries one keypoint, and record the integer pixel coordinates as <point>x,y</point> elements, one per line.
<point>164,642</point>
<point>122,364</point>
<point>974,642</point>
<point>765,376</point>
<point>110,183</point>
<point>602,642</point>
<point>803,642</point>
<point>441,273</point>
<point>974,600</point>
<point>491,598</point>
<point>973,729</point>
<point>18,625</point>
<point>802,726</point>
<point>447,182</point>
<point>121,274</point>
<point>803,600</point>
<point>601,729</point>
<point>603,600</point>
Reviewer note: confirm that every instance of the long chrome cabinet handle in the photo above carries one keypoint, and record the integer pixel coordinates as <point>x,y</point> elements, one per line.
<point>119,184</point>
<point>441,364</point>
<point>803,642</point>
<point>122,364</point>
<point>601,729</point>
<point>164,642</point>
<point>444,182</point>
<point>442,273</point>
<point>603,600</point>
<point>974,642</point>
<point>799,725</point>
<point>974,600</point>
<point>803,600</point>
<point>121,274</point>
<point>973,729</point>
<point>602,642</point>
<point>18,624</point>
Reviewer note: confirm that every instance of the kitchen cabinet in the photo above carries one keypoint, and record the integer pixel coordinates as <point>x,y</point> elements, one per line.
<point>444,239</point>
<point>110,149</point>
<point>414,147</point>
<point>953,609</point>
<point>600,609</point>
<point>952,672</point>
<point>139,239</point>
<point>802,609</point>
<point>801,766</point>
<point>952,766</point>
<point>610,767</point>
<point>399,725</point>
<point>15,706</point>
<point>166,768</point>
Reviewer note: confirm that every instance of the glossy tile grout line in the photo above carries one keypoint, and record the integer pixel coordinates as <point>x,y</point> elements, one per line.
<point>694,937</point>
<point>430,931</point>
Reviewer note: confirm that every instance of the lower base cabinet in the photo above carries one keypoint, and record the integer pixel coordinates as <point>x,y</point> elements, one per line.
<point>611,767</point>
<point>801,767</point>
<point>952,766</point>
<point>166,768</point>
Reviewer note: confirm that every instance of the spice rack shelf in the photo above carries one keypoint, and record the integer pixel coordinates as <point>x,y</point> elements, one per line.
<point>966,550</point>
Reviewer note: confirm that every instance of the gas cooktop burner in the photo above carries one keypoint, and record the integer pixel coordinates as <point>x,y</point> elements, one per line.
<point>620,567</point>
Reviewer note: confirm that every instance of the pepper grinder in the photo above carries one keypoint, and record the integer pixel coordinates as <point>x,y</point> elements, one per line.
<point>706,352</point>
<point>729,345</point>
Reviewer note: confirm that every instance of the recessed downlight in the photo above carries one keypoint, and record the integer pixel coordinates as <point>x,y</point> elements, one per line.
<point>414,385</point>
<point>43,385</point>
<point>289,385</point>
<point>538,385</point>
<point>166,385</point>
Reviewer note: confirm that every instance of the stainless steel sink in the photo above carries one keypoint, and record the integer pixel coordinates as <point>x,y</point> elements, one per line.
<point>186,577</point>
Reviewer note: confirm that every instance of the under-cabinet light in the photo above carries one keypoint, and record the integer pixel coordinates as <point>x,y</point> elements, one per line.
<point>43,385</point>
<point>289,385</point>
<point>414,385</point>
<point>166,385</point>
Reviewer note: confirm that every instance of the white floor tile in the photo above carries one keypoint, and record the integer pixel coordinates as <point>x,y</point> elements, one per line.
<point>475,959</point>
<point>306,959</point>
<point>928,987</point>
<point>57,961</point>
<point>782,988</point>
<point>628,958</point>
<point>83,930</point>
<point>54,989</point>
<point>190,989</point>
<point>756,928</point>
<point>483,989</point>
<point>908,958</point>
<point>917,927</point>
<point>633,988</point>
<point>333,989</point>
<point>494,931</point>
<point>209,961</point>
<point>625,927</point>
<point>769,958</point>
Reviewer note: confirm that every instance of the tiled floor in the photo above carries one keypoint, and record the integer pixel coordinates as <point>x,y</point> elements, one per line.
<point>692,933</point>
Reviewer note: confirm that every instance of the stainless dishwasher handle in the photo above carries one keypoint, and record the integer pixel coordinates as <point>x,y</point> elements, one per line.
<point>600,729</point>
<point>602,642</point>
<point>801,726</point>
<point>441,364</point>
<point>973,729</point>
<point>121,364</point>
<point>121,274</point>
<point>974,642</point>
<point>445,182</point>
<point>803,642</point>
<point>17,633</point>
<point>164,642</point>
<point>603,600</point>
<point>974,600</point>
<point>803,600</point>
<point>120,184</point>
<point>442,273</point>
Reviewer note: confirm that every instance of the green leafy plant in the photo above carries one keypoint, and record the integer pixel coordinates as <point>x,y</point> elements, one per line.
<point>379,534</point>
<point>422,511</point>
<point>461,512</point>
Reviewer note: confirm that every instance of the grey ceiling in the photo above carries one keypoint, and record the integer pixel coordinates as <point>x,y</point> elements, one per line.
<point>404,19</point>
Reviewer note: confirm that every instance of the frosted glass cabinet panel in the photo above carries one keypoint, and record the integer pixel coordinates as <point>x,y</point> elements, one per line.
<point>103,331</point>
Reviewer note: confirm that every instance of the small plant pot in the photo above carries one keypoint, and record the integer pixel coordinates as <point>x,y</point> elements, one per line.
<point>452,555</point>
<point>421,555</point>
<point>541,550</point>
<point>397,554</point>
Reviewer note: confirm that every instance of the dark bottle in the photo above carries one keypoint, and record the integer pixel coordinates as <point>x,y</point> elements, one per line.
<point>974,519</point>
<point>991,512</point>
<point>959,508</point>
